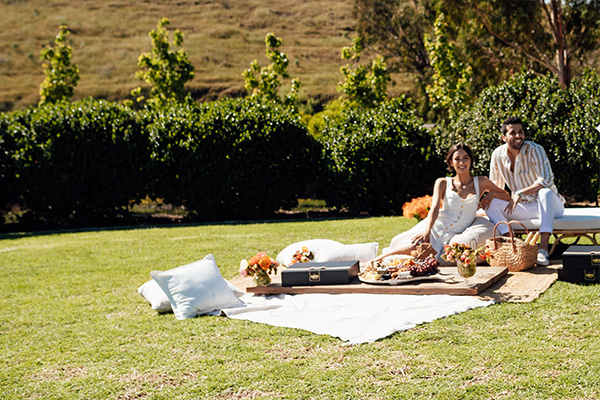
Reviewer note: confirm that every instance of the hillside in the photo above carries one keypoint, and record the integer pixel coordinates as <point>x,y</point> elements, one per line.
<point>222,37</point>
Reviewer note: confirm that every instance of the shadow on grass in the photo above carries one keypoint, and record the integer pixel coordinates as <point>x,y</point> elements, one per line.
<point>161,220</point>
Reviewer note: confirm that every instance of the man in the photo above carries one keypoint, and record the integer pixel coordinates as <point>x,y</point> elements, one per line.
<point>524,167</point>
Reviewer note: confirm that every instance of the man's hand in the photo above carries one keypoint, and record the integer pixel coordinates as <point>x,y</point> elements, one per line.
<point>512,204</point>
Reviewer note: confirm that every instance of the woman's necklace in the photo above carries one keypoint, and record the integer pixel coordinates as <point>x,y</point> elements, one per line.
<point>463,185</point>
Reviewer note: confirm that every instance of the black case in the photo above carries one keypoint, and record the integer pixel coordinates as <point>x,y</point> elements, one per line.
<point>581,264</point>
<point>319,273</point>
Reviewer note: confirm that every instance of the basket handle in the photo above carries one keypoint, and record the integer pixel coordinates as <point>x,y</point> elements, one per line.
<point>510,230</point>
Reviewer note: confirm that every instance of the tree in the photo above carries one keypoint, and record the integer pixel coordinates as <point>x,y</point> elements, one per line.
<point>396,29</point>
<point>365,87</point>
<point>165,69</point>
<point>61,75</point>
<point>544,35</point>
<point>265,82</point>
<point>498,37</point>
<point>451,81</point>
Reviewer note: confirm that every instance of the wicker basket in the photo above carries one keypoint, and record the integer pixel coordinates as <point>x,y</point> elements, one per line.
<point>511,252</point>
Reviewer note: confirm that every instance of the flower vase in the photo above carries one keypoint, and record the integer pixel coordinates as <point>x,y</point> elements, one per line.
<point>261,278</point>
<point>466,270</point>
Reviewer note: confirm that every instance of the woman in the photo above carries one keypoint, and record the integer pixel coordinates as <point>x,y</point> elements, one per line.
<point>460,195</point>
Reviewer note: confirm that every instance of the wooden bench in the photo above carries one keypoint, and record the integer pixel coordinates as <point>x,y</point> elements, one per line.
<point>575,222</point>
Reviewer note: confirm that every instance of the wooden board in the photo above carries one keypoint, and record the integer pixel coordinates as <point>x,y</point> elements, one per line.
<point>484,278</point>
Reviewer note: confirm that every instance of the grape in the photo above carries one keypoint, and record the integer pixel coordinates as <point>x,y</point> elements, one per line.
<point>428,266</point>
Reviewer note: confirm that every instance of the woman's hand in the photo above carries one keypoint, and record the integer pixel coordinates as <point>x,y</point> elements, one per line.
<point>420,238</point>
<point>486,199</point>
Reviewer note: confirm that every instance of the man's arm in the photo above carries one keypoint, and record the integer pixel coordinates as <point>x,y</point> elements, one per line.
<point>541,165</point>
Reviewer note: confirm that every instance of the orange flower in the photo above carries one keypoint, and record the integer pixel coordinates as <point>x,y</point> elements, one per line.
<point>265,263</point>
<point>253,260</point>
<point>417,208</point>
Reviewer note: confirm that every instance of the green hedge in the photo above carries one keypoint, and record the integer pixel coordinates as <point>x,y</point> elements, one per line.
<point>231,158</point>
<point>78,163</point>
<point>8,168</point>
<point>563,121</point>
<point>378,159</point>
<point>83,163</point>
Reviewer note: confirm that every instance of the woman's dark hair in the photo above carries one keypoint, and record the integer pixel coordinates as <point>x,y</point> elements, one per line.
<point>454,149</point>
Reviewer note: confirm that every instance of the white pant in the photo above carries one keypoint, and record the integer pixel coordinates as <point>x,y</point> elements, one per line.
<point>547,207</point>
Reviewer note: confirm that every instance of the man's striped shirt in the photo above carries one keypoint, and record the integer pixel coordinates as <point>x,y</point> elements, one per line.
<point>531,166</point>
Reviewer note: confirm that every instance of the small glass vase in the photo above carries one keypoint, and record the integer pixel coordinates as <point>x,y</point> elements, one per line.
<point>261,278</point>
<point>466,270</point>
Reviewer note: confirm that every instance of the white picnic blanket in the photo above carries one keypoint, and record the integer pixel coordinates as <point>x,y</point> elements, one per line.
<point>355,318</point>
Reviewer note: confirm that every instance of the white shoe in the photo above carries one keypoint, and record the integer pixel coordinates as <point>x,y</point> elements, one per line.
<point>542,258</point>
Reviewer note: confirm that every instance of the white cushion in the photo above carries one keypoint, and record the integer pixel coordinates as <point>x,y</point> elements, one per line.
<point>153,293</point>
<point>362,252</point>
<point>197,288</point>
<point>315,245</point>
<point>572,219</point>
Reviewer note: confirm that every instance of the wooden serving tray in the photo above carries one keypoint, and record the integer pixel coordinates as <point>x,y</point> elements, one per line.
<point>484,278</point>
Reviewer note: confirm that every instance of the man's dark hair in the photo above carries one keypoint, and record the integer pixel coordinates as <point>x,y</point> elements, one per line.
<point>510,121</point>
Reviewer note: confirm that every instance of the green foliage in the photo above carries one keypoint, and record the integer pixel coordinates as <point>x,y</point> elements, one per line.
<point>8,167</point>
<point>396,29</point>
<point>61,75</point>
<point>166,70</point>
<point>450,88</point>
<point>378,158</point>
<point>363,87</point>
<point>78,163</point>
<point>239,159</point>
<point>265,82</point>
<point>563,121</point>
<point>332,111</point>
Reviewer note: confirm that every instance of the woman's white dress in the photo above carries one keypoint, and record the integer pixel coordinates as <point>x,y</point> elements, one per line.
<point>454,217</point>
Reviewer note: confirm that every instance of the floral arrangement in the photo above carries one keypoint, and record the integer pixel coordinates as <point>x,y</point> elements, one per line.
<point>417,208</point>
<point>464,253</point>
<point>302,256</point>
<point>259,264</point>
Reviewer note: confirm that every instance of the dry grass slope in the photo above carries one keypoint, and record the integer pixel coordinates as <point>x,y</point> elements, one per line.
<point>222,37</point>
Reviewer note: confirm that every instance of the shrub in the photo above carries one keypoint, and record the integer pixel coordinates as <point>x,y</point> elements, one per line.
<point>378,159</point>
<point>563,121</point>
<point>8,168</point>
<point>231,158</point>
<point>79,162</point>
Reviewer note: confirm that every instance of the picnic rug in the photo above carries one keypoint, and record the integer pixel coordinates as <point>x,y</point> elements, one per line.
<point>364,318</point>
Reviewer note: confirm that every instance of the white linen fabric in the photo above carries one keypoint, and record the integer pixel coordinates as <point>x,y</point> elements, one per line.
<point>355,318</point>
<point>195,289</point>
<point>456,215</point>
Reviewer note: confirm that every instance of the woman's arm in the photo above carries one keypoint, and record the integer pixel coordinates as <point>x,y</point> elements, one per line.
<point>439,190</point>
<point>490,191</point>
<point>438,193</point>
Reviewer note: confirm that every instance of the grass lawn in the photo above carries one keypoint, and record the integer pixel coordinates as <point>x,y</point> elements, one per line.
<point>72,326</point>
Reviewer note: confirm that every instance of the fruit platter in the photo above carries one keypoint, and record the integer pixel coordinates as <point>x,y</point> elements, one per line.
<point>400,269</point>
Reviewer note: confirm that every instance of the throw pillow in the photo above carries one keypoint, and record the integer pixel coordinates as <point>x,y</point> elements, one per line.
<point>153,293</point>
<point>363,252</point>
<point>314,245</point>
<point>197,288</point>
